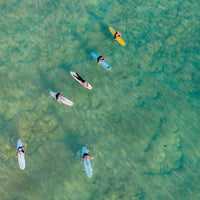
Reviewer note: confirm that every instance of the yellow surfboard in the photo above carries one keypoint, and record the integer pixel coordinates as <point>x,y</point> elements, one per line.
<point>119,39</point>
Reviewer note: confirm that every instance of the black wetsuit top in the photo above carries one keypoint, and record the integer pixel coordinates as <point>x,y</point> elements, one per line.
<point>57,95</point>
<point>80,78</point>
<point>100,58</point>
<point>84,155</point>
<point>115,36</point>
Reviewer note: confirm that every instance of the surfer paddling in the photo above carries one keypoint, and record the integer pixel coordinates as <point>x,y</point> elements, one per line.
<point>58,96</point>
<point>20,149</point>
<point>117,35</point>
<point>86,155</point>
<point>85,83</point>
<point>100,58</point>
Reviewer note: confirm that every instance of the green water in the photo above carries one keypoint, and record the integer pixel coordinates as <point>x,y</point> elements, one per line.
<point>141,119</point>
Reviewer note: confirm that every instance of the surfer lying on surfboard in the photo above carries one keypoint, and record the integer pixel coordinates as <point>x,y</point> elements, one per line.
<point>87,155</point>
<point>117,34</point>
<point>20,149</point>
<point>85,83</point>
<point>100,58</point>
<point>58,97</point>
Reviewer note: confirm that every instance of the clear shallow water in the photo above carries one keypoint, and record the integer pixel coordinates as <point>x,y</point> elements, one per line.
<point>140,121</point>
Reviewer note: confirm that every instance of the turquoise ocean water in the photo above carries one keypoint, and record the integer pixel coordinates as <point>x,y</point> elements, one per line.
<point>141,119</point>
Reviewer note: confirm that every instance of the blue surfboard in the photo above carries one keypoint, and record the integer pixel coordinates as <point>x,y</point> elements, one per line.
<point>102,62</point>
<point>87,165</point>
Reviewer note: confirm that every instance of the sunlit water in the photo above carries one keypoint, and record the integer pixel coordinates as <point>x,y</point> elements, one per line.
<point>141,119</point>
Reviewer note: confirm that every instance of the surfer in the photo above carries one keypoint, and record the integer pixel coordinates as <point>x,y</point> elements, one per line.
<point>58,96</point>
<point>20,149</point>
<point>100,58</point>
<point>87,155</point>
<point>117,34</point>
<point>85,83</point>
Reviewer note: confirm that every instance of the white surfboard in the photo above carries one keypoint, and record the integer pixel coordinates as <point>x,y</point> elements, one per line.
<point>62,99</point>
<point>80,80</point>
<point>21,157</point>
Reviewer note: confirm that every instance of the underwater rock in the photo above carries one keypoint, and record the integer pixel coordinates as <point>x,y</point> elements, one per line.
<point>164,154</point>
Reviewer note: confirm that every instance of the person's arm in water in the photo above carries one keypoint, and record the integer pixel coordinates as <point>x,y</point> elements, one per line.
<point>89,157</point>
<point>58,101</point>
<point>23,150</point>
